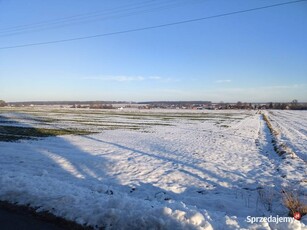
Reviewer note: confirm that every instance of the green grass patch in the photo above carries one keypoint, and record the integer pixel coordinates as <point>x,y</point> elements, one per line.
<point>14,133</point>
<point>11,138</point>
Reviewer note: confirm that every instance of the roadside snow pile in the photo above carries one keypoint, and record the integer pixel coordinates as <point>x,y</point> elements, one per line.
<point>210,171</point>
<point>116,211</point>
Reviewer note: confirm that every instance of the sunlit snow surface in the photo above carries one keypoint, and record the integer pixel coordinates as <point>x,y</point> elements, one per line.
<point>156,169</point>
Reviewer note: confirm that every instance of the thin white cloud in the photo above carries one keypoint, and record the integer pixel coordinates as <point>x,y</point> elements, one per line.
<point>223,81</point>
<point>116,78</point>
<point>265,89</point>
<point>284,93</point>
<point>155,78</point>
<point>285,86</point>
<point>124,78</point>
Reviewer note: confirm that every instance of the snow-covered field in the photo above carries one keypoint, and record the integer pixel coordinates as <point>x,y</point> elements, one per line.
<point>155,169</point>
<point>292,129</point>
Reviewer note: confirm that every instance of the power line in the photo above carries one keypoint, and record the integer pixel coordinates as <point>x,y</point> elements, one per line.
<point>93,13</point>
<point>151,27</point>
<point>117,12</point>
<point>101,15</point>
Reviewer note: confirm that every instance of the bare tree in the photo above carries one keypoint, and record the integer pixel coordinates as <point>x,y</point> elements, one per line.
<point>294,102</point>
<point>2,103</point>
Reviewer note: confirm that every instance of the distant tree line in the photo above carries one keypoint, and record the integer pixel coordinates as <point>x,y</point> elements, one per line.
<point>2,103</point>
<point>101,106</point>
<point>27,103</point>
<point>94,106</point>
<point>294,105</point>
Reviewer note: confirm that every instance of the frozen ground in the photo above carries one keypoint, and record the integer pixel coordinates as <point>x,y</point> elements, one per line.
<point>154,169</point>
<point>292,129</point>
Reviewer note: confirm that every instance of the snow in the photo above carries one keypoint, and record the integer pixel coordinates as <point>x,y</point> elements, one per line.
<point>292,129</point>
<point>195,170</point>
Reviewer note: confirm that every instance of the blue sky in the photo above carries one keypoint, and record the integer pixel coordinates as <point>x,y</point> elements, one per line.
<point>256,56</point>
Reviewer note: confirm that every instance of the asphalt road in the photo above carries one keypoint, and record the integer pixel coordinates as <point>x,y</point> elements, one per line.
<point>24,217</point>
<point>10,220</point>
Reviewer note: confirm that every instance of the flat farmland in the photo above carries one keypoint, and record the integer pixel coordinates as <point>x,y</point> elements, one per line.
<point>169,169</point>
<point>291,127</point>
